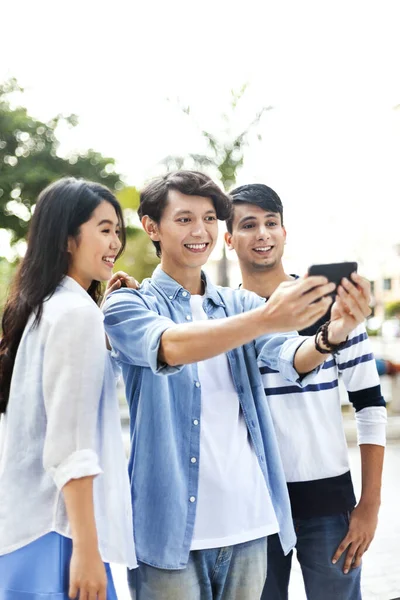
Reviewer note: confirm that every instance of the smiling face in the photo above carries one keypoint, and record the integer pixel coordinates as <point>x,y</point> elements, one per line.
<point>93,253</point>
<point>258,237</point>
<point>187,232</point>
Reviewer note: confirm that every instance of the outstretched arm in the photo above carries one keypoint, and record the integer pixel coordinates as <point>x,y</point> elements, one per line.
<point>292,306</point>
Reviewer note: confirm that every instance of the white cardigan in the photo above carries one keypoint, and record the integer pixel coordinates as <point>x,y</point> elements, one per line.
<point>62,423</point>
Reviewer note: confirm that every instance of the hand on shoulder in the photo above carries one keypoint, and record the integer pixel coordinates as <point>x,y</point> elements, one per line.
<point>119,280</point>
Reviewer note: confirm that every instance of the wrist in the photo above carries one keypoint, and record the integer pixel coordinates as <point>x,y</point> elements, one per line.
<point>86,544</point>
<point>320,345</point>
<point>323,344</point>
<point>263,319</point>
<point>371,501</point>
<point>333,339</point>
<point>85,538</point>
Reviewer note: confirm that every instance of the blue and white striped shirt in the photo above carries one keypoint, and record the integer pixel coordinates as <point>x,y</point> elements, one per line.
<point>309,426</point>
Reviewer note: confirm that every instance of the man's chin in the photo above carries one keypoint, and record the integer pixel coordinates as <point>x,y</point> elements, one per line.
<point>199,261</point>
<point>263,266</point>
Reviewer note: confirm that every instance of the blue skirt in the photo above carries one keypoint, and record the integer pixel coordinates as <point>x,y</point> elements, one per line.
<point>40,570</point>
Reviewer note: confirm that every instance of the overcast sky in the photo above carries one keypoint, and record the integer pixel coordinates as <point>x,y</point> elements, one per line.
<point>331,143</point>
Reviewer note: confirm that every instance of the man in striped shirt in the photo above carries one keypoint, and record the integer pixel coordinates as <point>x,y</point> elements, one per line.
<point>332,530</point>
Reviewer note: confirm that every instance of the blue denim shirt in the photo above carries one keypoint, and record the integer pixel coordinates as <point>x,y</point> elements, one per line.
<point>165,411</point>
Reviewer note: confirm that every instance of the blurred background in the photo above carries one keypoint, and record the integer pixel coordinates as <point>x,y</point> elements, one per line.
<point>303,96</point>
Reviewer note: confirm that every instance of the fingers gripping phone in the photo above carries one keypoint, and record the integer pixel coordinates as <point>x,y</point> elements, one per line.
<point>334,271</point>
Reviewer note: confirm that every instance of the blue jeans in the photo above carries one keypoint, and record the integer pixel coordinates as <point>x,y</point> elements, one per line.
<point>317,541</point>
<point>232,573</point>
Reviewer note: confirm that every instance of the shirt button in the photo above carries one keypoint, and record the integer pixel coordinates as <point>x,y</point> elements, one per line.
<point>197,384</point>
<point>184,294</point>
<point>193,460</point>
<point>195,422</point>
<point>192,499</point>
<point>171,297</point>
<point>188,318</point>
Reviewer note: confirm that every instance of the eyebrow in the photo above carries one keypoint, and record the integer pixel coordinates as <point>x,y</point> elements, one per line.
<point>179,213</point>
<point>107,222</point>
<point>252,218</point>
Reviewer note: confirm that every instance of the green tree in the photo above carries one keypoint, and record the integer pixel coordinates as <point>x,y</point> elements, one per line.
<point>224,157</point>
<point>392,309</point>
<point>29,161</point>
<point>6,272</point>
<point>139,258</point>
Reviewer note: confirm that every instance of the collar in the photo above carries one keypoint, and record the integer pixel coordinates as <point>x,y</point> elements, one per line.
<point>73,286</point>
<point>173,289</point>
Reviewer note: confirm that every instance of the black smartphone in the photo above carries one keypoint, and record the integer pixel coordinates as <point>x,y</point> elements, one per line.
<point>334,271</point>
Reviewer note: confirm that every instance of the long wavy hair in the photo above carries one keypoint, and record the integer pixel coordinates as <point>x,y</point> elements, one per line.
<point>60,211</point>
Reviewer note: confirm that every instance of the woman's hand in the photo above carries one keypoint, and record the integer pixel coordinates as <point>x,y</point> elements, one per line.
<point>118,280</point>
<point>121,279</point>
<point>88,577</point>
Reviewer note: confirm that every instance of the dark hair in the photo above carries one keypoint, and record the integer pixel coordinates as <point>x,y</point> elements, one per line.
<point>60,211</point>
<point>258,194</point>
<point>154,197</point>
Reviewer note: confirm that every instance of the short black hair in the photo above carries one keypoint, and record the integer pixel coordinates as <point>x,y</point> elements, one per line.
<point>258,194</point>
<point>154,197</point>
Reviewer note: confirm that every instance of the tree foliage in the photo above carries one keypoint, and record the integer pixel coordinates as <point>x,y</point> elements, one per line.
<point>139,258</point>
<point>224,157</point>
<point>392,309</point>
<point>225,150</point>
<point>29,161</point>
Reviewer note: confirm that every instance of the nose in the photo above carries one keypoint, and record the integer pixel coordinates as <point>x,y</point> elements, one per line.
<point>263,233</point>
<point>199,228</point>
<point>115,243</point>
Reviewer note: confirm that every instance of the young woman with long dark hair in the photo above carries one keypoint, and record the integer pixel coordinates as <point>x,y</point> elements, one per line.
<point>65,509</point>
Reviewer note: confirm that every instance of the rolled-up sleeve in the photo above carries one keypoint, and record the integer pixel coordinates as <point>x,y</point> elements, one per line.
<point>357,365</point>
<point>277,351</point>
<point>371,425</point>
<point>134,329</point>
<point>73,374</point>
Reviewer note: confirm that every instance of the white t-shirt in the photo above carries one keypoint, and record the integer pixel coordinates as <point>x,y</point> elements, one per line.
<point>234,505</point>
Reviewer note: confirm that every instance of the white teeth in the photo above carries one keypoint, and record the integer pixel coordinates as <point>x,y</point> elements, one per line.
<point>196,246</point>
<point>265,249</point>
<point>109,260</point>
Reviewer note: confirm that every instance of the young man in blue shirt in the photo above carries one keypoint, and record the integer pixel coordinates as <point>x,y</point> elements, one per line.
<point>309,426</point>
<point>207,481</point>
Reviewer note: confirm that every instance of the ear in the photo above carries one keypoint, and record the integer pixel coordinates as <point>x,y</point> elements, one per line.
<point>150,228</point>
<point>71,246</point>
<point>228,240</point>
<point>284,233</point>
